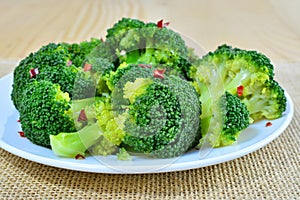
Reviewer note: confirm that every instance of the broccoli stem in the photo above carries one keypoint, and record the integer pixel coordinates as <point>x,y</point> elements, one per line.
<point>76,143</point>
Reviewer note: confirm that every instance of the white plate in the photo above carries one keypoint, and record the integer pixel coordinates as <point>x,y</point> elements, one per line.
<point>253,138</point>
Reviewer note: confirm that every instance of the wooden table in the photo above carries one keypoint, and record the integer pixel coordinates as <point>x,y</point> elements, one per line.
<point>271,27</point>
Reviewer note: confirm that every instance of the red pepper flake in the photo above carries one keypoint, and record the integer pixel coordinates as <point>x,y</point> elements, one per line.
<point>33,72</point>
<point>69,63</point>
<point>159,73</point>
<point>240,90</point>
<point>145,66</point>
<point>22,134</point>
<point>268,124</point>
<point>87,67</point>
<point>19,120</point>
<point>82,116</point>
<point>161,24</point>
<point>79,156</point>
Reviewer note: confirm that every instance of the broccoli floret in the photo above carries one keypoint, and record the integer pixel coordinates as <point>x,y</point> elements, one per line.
<point>47,110</point>
<point>66,144</point>
<point>78,52</point>
<point>233,118</point>
<point>100,67</point>
<point>163,118</point>
<point>106,125</point>
<point>109,48</point>
<point>267,102</point>
<point>236,68</point>
<point>157,47</point>
<point>44,112</point>
<point>133,41</point>
<point>54,63</point>
<point>122,26</point>
<point>49,63</point>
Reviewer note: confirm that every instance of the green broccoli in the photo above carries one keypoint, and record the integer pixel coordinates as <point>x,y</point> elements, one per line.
<point>133,41</point>
<point>242,72</point>
<point>47,110</point>
<point>162,118</point>
<point>53,62</point>
<point>122,26</point>
<point>48,63</point>
<point>102,120</point>
<point>78,52</point>
<point>44,112</point>
<point>267,102</point>
<point>100,67</point>
<point>223,128</point>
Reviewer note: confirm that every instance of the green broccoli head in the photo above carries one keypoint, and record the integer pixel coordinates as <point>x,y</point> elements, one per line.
<point>161,116</point>
<point>78,52</point>
<point>155,46</point>
<point>228,118</point>
<point>235,119</point>
<point>133,41</point>
<point>242,72</point>
<point>269,101</point>
<point>235,66</point>
<point>48,63</point>
<point>45,111</point>
<point>122,26</point>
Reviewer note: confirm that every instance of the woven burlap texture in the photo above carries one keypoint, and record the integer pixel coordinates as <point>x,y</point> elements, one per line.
<point>272,172</point>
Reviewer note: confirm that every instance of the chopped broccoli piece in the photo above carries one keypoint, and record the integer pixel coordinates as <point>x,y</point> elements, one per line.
<point>51,62</point>
<point>101,120</point>
<point>123,155</point>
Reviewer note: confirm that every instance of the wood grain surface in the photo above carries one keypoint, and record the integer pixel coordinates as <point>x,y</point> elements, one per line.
<point>271,27</point>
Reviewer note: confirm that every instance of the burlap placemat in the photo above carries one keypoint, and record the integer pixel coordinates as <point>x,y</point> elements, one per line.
<point>272,172</point>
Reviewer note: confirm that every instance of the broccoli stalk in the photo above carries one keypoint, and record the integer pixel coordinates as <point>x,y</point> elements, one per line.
<point>75,143</point>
